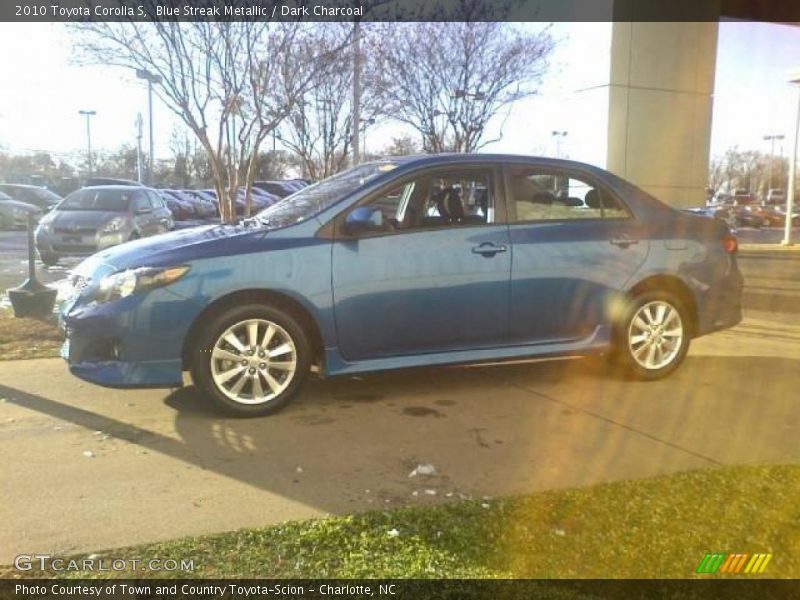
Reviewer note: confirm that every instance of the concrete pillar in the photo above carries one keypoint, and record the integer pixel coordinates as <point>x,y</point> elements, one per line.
<point>659,107</point>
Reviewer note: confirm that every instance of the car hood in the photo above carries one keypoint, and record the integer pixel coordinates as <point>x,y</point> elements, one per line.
<point>20,205</point>
<point>84,218</point>
<point>176,247</point>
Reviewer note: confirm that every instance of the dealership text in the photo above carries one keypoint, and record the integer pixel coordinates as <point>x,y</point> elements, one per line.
<point>235,590</point>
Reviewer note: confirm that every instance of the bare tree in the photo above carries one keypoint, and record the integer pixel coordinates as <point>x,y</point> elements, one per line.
<point>747,169</point>
<point>319,128</point>
<point>403,145</point>
<point>231,83</point>
<point>448,80</point>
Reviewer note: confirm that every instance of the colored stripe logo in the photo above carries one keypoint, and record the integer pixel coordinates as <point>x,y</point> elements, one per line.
<point>733,563</point>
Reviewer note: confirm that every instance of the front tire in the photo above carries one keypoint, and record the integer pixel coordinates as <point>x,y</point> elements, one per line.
<point>49,260</point>
<point>654,338</point>
<point>251,360</point>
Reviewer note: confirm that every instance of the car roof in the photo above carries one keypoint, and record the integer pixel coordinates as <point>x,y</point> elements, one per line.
<point>23,185</point>
<point>446,158</point>
<point>116,187</point>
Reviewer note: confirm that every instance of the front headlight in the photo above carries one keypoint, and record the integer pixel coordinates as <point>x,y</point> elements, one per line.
<point>114,224</point>
<point>133,281</point>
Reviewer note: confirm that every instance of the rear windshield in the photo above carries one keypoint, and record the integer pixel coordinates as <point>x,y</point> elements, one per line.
<point>99,199</point>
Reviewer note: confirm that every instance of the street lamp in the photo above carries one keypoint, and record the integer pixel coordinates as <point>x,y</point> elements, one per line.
<point>559,135</point>
<point>88,114</point>
<point>794,79</point>
<point>139,147</point>
<point>364,124</point>
<point>771,139</point>
<point>151,78</point>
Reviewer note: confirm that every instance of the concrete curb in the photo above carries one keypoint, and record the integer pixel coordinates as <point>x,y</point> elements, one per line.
<point>768,248</point>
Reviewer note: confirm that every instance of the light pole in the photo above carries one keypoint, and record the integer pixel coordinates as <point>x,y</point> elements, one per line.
<point>139,147</point>
<point>356,91</point>
<point>559,135</point>
<point>88,114</point>
<point>364,124</point>
<point>151,78</point>
<point>771,139</point>
<point>794,79</point>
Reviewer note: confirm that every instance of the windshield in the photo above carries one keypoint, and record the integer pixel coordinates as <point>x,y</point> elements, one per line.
<point>315,198</point>
<point>99,199</point>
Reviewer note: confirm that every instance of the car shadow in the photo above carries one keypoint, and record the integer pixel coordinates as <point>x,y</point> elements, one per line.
<point>351,443</point>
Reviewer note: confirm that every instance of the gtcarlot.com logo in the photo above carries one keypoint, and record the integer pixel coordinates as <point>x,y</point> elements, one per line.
<point>742,563</point>
<point>46,562</point>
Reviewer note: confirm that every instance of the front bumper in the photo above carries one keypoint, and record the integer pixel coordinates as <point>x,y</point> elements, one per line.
<point>64,244</point>
<point>135,342</point>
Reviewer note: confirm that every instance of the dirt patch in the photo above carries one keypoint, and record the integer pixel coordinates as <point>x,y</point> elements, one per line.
<point>421,411</point>
<point>28,338</point>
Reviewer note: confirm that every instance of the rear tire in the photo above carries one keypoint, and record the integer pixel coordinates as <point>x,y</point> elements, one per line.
<point>653,338</point>
<point>251,360</point>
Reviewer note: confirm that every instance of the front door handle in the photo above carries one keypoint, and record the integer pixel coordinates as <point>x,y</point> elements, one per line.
<point>488,249</point>
<point>623,242</point>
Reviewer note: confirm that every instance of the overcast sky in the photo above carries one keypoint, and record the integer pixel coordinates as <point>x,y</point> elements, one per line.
<point>42,90</point>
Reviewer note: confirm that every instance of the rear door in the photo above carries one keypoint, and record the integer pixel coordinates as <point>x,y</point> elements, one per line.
<point>436,279</point>
<point>574,245</point>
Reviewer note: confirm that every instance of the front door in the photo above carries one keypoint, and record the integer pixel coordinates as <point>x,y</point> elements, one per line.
<point>435,278</point>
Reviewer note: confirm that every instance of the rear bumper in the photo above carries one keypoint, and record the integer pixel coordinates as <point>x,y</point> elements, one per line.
<point>720,306</point>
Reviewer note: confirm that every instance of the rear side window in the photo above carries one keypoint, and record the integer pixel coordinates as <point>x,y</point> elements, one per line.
<point>544,195</point>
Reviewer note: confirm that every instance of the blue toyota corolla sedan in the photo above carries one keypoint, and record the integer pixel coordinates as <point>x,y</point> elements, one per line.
<point>406,262</point>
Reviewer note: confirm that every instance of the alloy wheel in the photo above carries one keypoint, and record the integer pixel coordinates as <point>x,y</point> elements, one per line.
<point>655,334</point>
<point>253,361</point>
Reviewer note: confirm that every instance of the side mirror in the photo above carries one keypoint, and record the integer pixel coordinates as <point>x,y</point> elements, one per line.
<point>363,219</point>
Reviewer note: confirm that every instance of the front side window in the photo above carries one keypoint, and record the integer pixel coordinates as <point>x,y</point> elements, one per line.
<point>456,199</point>
<point>141,203</point>
<point>539,195</point>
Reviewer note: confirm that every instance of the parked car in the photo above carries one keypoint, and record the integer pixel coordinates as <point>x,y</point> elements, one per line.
<point>94,218</point>
<point>775,197</point>
<point>41,197</point>
<point>769,216</point>
<point>14,214</point>
<point>401,263</point>
<point>725,213</point>
<point>281,189</point>
<point>743,198</point>
<point>204,207</point>
<point>748,216</point>
<point>97,181</point>
<point>261,199</point>
<point>181,210</point>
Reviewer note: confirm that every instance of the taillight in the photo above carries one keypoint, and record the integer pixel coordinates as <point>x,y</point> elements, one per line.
<point>730,243</point>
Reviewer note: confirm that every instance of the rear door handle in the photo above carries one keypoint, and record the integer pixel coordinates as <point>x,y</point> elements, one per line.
<point>488,249</point>
<point>623,242</point>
